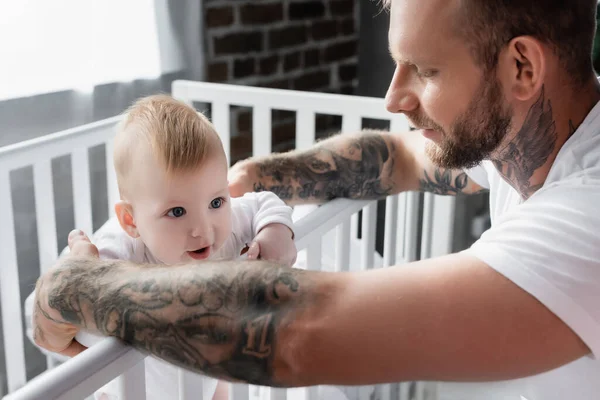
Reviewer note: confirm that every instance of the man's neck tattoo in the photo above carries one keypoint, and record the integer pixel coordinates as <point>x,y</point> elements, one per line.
<point>531,147</point>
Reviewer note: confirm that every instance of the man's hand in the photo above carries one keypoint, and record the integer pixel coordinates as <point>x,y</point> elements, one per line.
<point>275,242</point>
<point>242,177</point>
<point>50,330</point>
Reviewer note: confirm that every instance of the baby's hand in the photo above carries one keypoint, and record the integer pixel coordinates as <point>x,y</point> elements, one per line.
<point>274,243</point>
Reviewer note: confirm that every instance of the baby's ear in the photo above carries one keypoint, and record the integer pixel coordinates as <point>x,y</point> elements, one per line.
<point>124,212</point>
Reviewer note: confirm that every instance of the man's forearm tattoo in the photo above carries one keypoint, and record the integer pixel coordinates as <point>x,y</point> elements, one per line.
<point>221,321</point>
<point>357,171</point>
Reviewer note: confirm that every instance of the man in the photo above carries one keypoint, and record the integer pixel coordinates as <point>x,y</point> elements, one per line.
<point>505,98</point>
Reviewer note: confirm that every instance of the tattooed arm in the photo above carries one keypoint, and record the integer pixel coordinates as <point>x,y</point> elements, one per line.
<point>234,321</point>
<point>448,318</point>
<point>369,165</point>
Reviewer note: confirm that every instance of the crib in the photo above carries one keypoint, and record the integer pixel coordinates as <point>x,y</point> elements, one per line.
<point>337,236</point>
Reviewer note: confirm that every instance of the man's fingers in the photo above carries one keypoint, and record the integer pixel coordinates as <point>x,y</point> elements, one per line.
<point>73,349</point>
<point>236,188</point>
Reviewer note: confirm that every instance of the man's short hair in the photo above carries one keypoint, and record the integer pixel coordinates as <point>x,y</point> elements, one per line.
<point>568,26</point>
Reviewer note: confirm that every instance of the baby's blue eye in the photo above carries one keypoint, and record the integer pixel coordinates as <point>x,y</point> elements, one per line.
<point>176,212</point>
<point>216,203</point>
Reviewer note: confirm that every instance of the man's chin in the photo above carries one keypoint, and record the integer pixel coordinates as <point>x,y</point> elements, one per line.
<point>444,159</point>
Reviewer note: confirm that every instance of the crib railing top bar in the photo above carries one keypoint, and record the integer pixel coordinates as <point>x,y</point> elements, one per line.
<point>281,99</point>
<point>108,355</point>
<point>24,153</point>
<point>325,218</point>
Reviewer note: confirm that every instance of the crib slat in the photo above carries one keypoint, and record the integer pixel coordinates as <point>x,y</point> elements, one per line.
<point>427,231</point>
<point>111,176</point>
<point>9,291</point>
<point>314,255</point>
<point>220,119</point>
<point>342,246</point>
<point>305,128</point>
<point>311,393</point>
<point>239,391</point>
<point>443,222</point>
<point>82,199</point>
<point>261,131</point>
<point>411,239</point>
<point>351,123</point>
<point>369,222</point>
<point>132,383</point>
<point>189,385</point>
<point>401,228</point>
<point>45,214</point>
<point>276,394</point>
<point>390,232</point>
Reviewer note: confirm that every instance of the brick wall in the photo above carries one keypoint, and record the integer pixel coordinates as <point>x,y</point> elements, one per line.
<point>288,44</point>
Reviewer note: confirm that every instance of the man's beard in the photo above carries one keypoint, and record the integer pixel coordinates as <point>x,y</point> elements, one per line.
<point>475,134</point>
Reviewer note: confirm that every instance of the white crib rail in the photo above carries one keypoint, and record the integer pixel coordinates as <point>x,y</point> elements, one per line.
<point>401,238</point>
<point>39,153</point>
<point>82,375</point>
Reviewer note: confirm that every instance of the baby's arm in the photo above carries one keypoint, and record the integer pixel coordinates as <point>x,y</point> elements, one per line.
<point>269,224</point>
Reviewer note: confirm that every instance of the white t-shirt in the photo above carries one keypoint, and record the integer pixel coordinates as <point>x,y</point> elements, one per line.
<point>549,245</point>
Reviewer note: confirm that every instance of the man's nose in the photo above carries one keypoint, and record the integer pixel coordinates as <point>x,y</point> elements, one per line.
<point>399,97</point>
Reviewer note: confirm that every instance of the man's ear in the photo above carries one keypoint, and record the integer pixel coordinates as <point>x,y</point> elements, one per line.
<point>523,67</point>
<point>124,212</point>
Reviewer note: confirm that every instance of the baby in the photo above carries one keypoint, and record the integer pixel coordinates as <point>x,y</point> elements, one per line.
<point>175,207</point>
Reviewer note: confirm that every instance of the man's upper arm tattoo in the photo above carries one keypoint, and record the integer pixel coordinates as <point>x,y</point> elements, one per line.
<point>221,321</point>
<point>445,182</point>
<point>361,170</point>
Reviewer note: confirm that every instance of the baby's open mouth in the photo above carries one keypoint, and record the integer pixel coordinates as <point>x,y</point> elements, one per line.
<point>200,254</point>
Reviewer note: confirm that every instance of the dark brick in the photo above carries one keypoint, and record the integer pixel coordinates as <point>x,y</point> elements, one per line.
<point>340,51</point>
<point>277,84</point>
<point>327,125</point>
<point>219,16</point>
<point>288,36</point>
<point>312,80</point>
<point>280,116</point>
<point>349,89</point>
<point>347,72</point>
<point>306,9</point>
<point>341,7</point>
<point>244,120</point>
<point>241,148</point>
<point>261,13</point>
<point>236,43</point>
<point>268,65</point>
<point>282,134</point>
<point>346,26</point>
<point>218,72</point>
<point>323,30</point>
<point>244,67</point>
<point>291,61</point>
<point>312,58</point>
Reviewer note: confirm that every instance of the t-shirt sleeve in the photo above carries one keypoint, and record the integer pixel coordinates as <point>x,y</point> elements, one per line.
<point>550,247</point>
<point>254,211</point>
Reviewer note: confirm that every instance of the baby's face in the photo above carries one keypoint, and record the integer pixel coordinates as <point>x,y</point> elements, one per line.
<point>182,216</point>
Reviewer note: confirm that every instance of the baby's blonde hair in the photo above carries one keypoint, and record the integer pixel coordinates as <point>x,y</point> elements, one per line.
<point>179,137</point>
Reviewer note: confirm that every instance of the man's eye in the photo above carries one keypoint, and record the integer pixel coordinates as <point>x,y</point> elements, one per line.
<point>176,212</point>
<point>216,203</point>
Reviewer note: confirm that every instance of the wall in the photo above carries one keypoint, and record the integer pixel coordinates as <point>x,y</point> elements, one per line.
<point>286,44</point>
